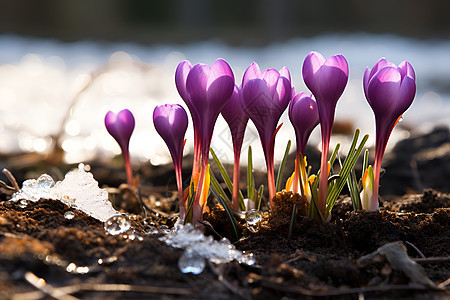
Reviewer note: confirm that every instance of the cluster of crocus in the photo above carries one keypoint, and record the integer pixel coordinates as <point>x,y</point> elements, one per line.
<point>263,97</point>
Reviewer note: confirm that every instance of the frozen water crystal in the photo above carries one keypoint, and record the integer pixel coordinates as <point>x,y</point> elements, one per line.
<point>45,181</point>
<point>186,236</point>
<point>79,190</point>
<point>191,262</point>
<point>117,224</point>
<point>69,215</point>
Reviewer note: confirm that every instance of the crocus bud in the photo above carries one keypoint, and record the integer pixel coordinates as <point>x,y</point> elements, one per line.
<point>237,121</point>
<point>389,90</point>
<point>304,118</point>
<point>120,126</point>
<point>265,96</point>
<point>171,122</point>
<point>326,78</point>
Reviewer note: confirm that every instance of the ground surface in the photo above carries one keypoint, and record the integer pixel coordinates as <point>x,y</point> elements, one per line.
<point>43,254</point>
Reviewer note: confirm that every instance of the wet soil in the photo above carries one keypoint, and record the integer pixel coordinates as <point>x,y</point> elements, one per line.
<point>43,255</point>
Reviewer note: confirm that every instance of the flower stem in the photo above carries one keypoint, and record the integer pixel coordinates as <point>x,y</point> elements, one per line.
<point>126,159</point>
<point>179,177</point>
<point>323,179</point>
<point>235,201</point>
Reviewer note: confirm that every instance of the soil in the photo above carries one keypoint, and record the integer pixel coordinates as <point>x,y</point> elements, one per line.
<point>45,255</point>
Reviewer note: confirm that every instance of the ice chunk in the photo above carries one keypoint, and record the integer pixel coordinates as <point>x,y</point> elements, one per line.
<point>187,237</point>
<point>79,190</point>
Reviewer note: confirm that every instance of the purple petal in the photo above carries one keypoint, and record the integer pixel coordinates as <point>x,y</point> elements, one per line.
<point>219,92</point>
<point>384,91</point>
<point>304,116</point>
<point>271,76</point>
<point>406,69</point>
<point>252,72</point>
<point>197,83</point>
<point>311,64</point>
<point>407,92</point>
<point>221,68</point>
<point>285,72</point>
<point>181,74</point>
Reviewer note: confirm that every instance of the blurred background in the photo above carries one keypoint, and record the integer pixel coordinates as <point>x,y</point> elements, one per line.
<point>64,64</point>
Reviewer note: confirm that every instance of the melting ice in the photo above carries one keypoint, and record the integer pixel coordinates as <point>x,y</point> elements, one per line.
<point>78,190</point>
<point>187,237</point>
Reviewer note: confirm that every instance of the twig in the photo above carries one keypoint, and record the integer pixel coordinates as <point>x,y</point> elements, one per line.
<point>210,227</point>
<point>415,248</point>
<point>444,283</point>
<point>46,288</point>
<point>432,260</point>
<point>95,287</point>
<point>11,179</point>
<point>341,292</point>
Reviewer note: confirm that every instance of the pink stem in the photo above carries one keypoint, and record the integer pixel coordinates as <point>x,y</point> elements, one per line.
<point>197,210</point>
<point>179,177</point>
<point>126,159</point>
<point>379,153</point>
<point>323,179</point>
<point>197,155</point>
<point>295,179</point>
<point>235,201</point>
<point>270,179</point>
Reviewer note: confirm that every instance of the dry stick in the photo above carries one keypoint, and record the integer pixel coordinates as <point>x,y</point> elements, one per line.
<point>415,248</point>
<point>11,179</point>
<point>444,283</point>
<point>432,260</point>
<point>47,289</point>
<point>383,288</point>
<point>96,287</point>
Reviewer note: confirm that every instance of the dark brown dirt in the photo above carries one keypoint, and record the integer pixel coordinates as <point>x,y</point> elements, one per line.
<point>318,260</point>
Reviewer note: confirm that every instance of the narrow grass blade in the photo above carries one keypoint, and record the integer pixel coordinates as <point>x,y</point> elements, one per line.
<point>250,182</point>
<point>190,204</point>
<point>224,203</point>
<point>222,171</point>
<point>281,167</point>
<point>348,165</point>
<point>260,194</point>
<point>216,185</point>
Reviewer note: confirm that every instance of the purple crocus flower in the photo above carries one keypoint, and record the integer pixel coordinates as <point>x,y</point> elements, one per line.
<point>304,117</point>
<point>206,90</point>
<point>389,90</point>
<point>237,121</point>
<point>171,122</point>
<point>265,96</point>
<point>326,78</point>
<point>120,126</point>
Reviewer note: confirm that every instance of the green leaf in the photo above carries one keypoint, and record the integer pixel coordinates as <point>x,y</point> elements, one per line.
<point>281,167</point>
<point>348,165</point>
<point>190,203</point>
<point>260,194</point>
<point>222,171</point>
<point>250,182</point>
<point>219,193</point>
